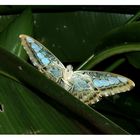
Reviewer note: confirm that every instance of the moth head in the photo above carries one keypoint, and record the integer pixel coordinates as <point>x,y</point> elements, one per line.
<point>69,68</point>
<point>68,72</point>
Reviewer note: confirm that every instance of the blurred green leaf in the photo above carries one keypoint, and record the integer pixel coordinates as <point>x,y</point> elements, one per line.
<point>121,36</point>
<point>8,37</point>
<point>68,33</point>
<point>134,18</point>
<point>40,103</point>
<point>115,64</point>
<point>122,109</point>
<point>5,20</point>
<point>134,58</point>
<point>21,70</point>
<point>30,112</point>
<point>94,60</point>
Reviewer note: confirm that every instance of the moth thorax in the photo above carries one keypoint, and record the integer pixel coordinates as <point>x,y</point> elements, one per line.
<point>68,72</point>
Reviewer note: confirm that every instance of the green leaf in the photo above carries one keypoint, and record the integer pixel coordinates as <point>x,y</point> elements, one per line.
<point>94,60</point>
<point>5,20</point>
<point>123,109</point>
<point>68,33</point>
<point>134,58</point>
<point>134,18</point>
<point>122,35</point>
<point>115,64</point>
<point>8,37</point>
<point>35,104</point>
<point>30,76</point>
<point>126,34</point>
<point>26,111</point>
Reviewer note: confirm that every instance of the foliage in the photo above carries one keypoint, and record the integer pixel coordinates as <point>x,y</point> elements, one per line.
<point>30,103</point>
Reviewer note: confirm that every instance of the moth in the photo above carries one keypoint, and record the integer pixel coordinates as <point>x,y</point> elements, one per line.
<point>88,86</point>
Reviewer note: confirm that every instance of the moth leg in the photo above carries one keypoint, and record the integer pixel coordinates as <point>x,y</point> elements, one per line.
<point>71,89</point>
<point>41,69</point>
<point>58,80</point>
<point>65,84</point>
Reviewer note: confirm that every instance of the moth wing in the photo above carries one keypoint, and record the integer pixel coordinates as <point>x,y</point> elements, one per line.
<point>92,85</point>
<point>42,58</point>
<point>108,83</point>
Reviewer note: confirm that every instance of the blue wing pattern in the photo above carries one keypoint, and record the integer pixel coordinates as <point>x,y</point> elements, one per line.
<point>87,86</point>
<point>42,58</point>
<point>91,86</point>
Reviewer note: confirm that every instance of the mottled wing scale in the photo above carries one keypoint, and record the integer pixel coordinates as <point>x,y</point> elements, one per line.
<point>42,58</point>
<point>82,88</point>
<point>87,86</point>
<point>91,86</point>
